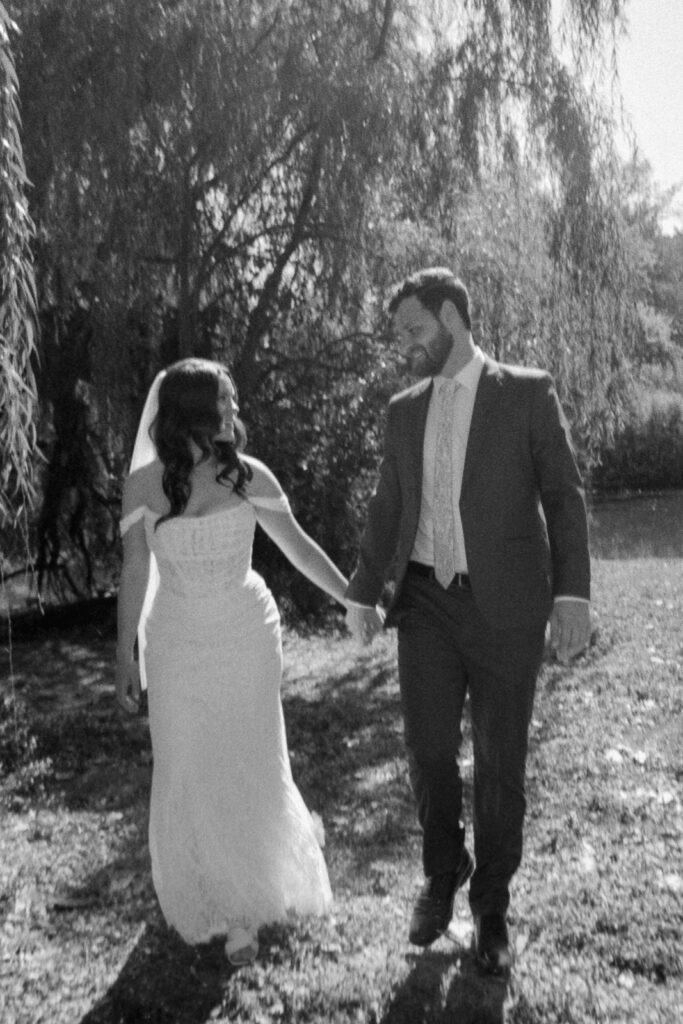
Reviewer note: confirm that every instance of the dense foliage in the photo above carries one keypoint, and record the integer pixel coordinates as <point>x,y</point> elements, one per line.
<point>18,304</point>
<point>245,180</point>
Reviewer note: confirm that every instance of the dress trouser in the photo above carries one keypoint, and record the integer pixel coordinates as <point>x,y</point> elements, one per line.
<point>446,649</point>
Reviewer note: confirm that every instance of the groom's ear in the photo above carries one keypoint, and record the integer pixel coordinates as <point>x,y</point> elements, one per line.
<point>449,316</point>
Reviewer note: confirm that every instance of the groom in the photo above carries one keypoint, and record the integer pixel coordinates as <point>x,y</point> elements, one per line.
<point>479,511</point>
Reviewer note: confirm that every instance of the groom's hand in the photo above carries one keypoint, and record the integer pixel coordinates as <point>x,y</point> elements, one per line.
<point>570,628</point>
<point>364,622</point>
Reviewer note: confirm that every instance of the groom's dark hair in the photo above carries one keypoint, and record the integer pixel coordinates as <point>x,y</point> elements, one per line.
<point>433,286</point>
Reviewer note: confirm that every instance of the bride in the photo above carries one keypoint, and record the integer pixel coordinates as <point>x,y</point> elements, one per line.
<point>232,844</point>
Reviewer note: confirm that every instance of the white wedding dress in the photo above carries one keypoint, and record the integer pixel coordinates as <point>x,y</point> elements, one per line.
<point>230,836</point>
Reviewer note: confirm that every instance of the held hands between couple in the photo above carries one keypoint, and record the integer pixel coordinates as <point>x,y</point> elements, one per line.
<point>364,622</point>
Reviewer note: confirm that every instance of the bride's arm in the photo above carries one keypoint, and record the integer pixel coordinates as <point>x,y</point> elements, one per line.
<point>132,590</point>
<point>275,517</point>
<point>303,552</point>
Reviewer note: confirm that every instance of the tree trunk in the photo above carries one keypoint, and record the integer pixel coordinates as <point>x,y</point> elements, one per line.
<point>260,318</point>
<point>186,340</point>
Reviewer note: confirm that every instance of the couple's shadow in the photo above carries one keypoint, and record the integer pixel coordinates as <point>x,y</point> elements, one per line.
<point>447,986</point>
<point>163,981</point>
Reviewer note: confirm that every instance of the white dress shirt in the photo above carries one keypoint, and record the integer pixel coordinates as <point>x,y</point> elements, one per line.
<point>468,381</point>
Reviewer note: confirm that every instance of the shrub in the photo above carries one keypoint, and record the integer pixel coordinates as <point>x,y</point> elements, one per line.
<point>647,454</point>
<point>22,770</point>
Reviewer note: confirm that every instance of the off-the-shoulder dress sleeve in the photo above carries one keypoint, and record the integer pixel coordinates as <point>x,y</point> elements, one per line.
<point>271,504</point>
<point>131,519</point>
<point>264,490</point>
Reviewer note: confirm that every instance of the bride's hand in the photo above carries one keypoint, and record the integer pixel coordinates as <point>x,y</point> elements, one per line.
<point>364,622</point>
<point>128,686</point>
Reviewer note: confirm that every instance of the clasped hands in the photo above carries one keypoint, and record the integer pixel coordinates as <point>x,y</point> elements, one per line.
<point>364,622</point>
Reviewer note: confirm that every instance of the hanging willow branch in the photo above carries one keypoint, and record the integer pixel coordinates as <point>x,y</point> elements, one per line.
<point>18,304</point>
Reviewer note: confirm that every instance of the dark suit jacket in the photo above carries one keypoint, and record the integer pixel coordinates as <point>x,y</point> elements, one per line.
<point>522,503</point>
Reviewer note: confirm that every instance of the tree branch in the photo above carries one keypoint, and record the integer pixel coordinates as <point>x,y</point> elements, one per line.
<point>259,319</point>
<point>387,20</point>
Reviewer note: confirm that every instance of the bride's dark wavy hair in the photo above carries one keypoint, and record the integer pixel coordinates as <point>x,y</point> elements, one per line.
<point>188,411</point>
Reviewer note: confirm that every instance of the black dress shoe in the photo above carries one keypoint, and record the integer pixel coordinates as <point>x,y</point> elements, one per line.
<point>434,906</point>
<point>492,944</point>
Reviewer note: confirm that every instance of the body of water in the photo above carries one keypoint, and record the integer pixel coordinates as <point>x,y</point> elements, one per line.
<point>640,526</point>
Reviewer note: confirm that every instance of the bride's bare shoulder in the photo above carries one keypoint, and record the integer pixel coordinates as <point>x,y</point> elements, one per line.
<point>263,483</point>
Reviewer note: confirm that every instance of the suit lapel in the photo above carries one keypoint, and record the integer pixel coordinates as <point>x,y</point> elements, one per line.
<point>415,427</point>
<point>483,416</point>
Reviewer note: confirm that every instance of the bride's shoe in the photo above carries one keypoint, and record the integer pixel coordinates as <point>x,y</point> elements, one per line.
<point>241,947</point>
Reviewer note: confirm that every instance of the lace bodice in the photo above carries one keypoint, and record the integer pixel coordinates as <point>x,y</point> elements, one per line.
<point>201,556</point>
<point>205,555</point>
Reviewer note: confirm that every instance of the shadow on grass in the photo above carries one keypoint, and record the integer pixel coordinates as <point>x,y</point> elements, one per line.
<point>349,761</point>
<point>347,748</point>
<point>443,988</point>
<point>164,981</point>
<point>60,670</point>
<point>356,733</point>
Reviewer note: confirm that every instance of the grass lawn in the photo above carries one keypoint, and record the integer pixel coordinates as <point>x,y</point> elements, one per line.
<point>597,908</point>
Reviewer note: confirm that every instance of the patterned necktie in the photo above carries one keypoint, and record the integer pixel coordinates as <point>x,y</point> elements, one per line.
<point>444,522</point>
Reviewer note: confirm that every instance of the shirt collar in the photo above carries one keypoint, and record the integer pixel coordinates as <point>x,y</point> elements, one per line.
<point>469,376</point>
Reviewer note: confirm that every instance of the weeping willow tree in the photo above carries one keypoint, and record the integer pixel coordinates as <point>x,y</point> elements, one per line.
<point>244,180</point>
<point>512,177</point>
<point>18,303</point>
<point>18,318</point>
<point>200,186</point>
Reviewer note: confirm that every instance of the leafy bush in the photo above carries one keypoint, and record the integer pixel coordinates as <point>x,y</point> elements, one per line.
<point>22,770</point>
<point>647,454</point>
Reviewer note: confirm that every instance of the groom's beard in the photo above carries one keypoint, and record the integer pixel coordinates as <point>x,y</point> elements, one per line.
<point>429,362</point>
